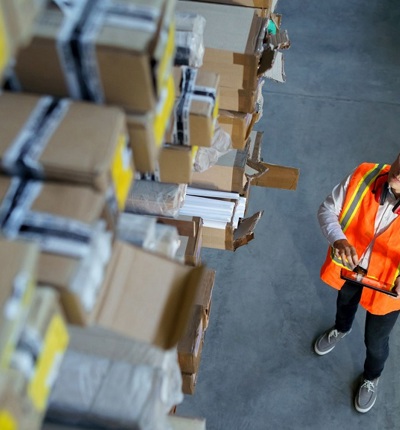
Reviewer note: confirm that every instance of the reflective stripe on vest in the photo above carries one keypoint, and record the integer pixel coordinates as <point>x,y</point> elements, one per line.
<point>355,201</point>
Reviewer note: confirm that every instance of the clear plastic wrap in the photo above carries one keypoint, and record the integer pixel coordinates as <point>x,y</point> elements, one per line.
<point>166,240</point>
<point>139,230</point>
<point>113,382</point>
<point>155,198</point>
<point>189,39</point>
<point>208,156</point>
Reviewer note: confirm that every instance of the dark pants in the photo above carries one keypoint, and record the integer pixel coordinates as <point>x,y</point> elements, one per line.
<point>377,328</point>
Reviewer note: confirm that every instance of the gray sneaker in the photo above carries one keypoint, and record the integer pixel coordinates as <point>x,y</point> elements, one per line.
<point>328,340</point>
<point>366,395</point>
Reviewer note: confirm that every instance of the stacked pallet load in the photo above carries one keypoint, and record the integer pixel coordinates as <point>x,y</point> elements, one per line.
<point>127,147</point>
<point>33,338</point>
<point>75,103</point>
<point>243,56</point>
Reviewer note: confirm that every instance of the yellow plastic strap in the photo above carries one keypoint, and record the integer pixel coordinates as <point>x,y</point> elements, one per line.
<point>7,421</point>
<point>163,72</point>
<point>163,112</point>
<point>55,343</point>
<point>4,48</point>
<point>122,171</point>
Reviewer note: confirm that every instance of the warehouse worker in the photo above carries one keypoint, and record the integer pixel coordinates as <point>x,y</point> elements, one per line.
<point>360,221</point>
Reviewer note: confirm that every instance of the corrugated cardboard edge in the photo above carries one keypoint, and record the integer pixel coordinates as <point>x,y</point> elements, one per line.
<point>245,231</point>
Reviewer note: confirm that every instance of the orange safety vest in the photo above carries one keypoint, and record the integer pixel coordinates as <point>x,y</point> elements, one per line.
<point>357,220</point>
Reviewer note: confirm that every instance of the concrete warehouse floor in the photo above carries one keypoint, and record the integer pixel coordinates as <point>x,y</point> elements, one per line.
<point>339,107</point>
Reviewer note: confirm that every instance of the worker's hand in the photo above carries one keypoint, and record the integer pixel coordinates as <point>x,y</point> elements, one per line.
<point>346,252</point>
<point>396,287</point>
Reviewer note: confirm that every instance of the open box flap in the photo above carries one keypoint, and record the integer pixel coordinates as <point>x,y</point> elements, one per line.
<point>245,231</point>
<point>150,305</point>
<point>275,176</point>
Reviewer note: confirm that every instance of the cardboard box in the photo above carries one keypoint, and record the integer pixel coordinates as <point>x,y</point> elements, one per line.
<point>18,281</point>
<point>8,39</point>
<point>240,100</point>
<point>20,16</point>
<point>74,142</point>
<point>147,131</point>
<point>65,221</point>
<point>123,58</point>
<point>238,125</point>
<point>146,296</point>
<point>204,295</point>
<point>175,164</point>
<point>189,381</point>
<point>190,232</point>
<point>230,238</point>
<point>234,49</point>
<point>44,339</point>
<point>258,173</point>
<point>228,174</point>
<point>191,344</point>
<point>196,107</point>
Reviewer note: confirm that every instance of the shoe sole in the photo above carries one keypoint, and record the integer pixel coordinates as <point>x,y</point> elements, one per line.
<point>363,410</point>
<point>319,352</point>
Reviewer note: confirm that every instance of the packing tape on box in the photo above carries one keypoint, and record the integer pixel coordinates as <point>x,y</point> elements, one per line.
<point>15,310</point>
<point>23,154</point>
<point>54,233</point>
<point>4,44</point>
<point>75,13</point>
<point>39,361</point>
<point>76,41</point>
<point>191,92</point>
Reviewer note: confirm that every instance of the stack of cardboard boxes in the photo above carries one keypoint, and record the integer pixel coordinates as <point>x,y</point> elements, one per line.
<point>93,103</point>
<point>33,338</point>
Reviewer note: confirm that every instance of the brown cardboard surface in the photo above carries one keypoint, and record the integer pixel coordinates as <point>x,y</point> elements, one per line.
<point>150,305</point>
<point>73,202</point>
<point>147,131</point>
<point>82,148</point>
<point>218,238</point>
<point>237,125</point>
<point>189,381</point>
<point>238,100</point>
<point>175,164</point>
<point>276,176</point>
<point>226,175</point>
<point>204,295</point>
<point>230,239</point>
<point>190,345</point>
<point>125,56</point>
<point>232,50</point>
